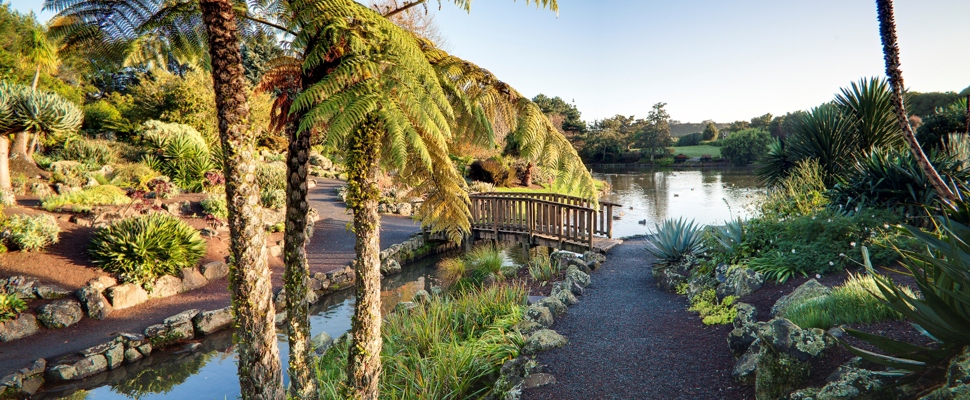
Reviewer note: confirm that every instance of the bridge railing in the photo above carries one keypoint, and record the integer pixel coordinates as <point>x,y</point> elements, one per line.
<point>563,218</point>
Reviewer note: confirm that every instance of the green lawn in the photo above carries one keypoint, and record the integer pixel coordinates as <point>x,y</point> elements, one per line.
<point>697,151</point>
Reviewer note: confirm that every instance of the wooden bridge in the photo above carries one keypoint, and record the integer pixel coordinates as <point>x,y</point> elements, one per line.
<point>544,219</point>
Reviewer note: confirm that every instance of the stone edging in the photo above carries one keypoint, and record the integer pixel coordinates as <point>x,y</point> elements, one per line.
<point>524,372</point>
<point>130,347</point>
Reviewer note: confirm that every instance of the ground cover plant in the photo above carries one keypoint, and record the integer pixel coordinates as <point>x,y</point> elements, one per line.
<point>31,232</point>
<point>10,306</point>
<point>473,267</point>
<point>85,199</point>
<point>712,311</point>
<point>450,347</point>
<point>857,301</point>
<point>143,248</point>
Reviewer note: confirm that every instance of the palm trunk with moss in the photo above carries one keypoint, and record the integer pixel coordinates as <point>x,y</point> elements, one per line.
<point>364,366</point>
<point>297,272</point>
<point>260,372</point>
<point>890,49</point>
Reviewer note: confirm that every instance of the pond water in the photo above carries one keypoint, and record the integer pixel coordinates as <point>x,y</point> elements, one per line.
<point>210,371</point>
<point>648,196</point>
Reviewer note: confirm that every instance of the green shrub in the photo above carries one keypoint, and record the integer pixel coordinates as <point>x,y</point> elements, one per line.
<point>10,306</point>
<point>84,199</point>
<point>941,311</point>
<point>715,143</point>
<point>273,198</point>
<point>216,206</point>
<point>145,247</point>
<point>71,173</point>
<point>32,232</point>
<point>100,115</point>
<point>692,139</point>
<point>893,179</point>
<point>91,153</point>
<point>178,151</point>
<point>450,348</point>
<point>664,162</point>
<point>713,312</point>
<point>543,269</point>
<point>271,176</point>
<point>676,239</point>
<point>746,146</point>
<point>135,176</point>
<point>802,192</point>
<point>857,301</point>
<point>471,268</point>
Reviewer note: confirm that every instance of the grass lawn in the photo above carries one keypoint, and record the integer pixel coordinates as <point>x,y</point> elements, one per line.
<point>697,151</point>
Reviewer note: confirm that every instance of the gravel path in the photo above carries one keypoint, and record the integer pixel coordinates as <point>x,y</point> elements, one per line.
<point>630,340</point>
<point>331,247</point>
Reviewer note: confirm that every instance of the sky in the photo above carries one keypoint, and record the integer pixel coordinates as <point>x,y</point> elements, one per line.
<point>707,59</point>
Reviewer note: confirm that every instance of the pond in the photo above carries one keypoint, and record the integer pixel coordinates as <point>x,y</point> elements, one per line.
<point>209,372</point>
<point>648,196</point>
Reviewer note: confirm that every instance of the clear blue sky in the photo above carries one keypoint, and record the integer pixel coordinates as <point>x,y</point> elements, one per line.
<point>721,60</point>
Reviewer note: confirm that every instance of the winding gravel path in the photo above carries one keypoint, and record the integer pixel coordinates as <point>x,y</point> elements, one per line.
<point>630,340</point>
<point>331,247</point>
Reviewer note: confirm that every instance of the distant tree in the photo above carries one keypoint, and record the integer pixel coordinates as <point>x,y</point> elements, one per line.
<point>690,139</point>
<point>603,146</point>
<point>739,125</point>
<point>37,53</point>
<point>571,117</point>
<point>710,131</point>
<point>257,52</point>
<point>654,137</point>
<point>625,128</point>
<point>761,122</point>
<point>746,146</point>
<point>926,104</point>
<point>935,130</point>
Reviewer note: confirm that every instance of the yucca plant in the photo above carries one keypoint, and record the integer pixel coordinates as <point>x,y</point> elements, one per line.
<point>145,247</point>
<point>32,232</point>
<point>675,239</point>
<point>775,165</point>
<point>10,306</point>
<point>178,151</point>
<point>941,313</point>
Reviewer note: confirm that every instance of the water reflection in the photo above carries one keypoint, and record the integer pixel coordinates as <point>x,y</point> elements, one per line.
<point>209,372</point>
<point>707,196</point>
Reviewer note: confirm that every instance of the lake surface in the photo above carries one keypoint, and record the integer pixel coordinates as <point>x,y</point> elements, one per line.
<point>209,372</point>
<point>648,196</point>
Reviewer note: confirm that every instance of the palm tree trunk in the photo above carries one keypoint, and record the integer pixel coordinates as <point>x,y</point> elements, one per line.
<point>296,274</point>
<point>364,366</point>
<point>890,50</point>
<point>5,163</point>
<point>527,175</point>
<point>20,142</point>
<point>260,372</point>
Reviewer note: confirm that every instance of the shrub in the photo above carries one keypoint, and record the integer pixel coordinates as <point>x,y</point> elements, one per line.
<point>480,187</point>
<point>489,171</point>
<point>746,146</point>
<point>274,199</point>
<point>216,206</point>
<point>715,143</point>
<point>692,139</point>
<point>10,306</point>
<point>178,151</point>
<point>91,153</point>
<point>86,198</point>
<point>70,173</point>
<point>800,193</point>
<point>941,311</point>
<point>145,247</point>
<point>680,158</point>
<point>857,301</point>
<point>664,161</point>
<point>473,267</point>
<point>133,176</point>
<point>271,176</point>
<point>675,239</point>
<point>451,347</point>
<point>706,158</point>
<point>100,115</point>
<point>713,312</point>
<point>543,269</point>
<point>32,232</point>
<point>893,178</point>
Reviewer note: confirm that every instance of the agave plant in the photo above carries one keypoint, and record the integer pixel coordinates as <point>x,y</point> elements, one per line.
<point>676,239</point>
<point>730,236</point>
<point>942,313</point>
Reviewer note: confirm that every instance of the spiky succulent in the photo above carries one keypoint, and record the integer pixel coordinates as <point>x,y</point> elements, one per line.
<point>146,247</point>
<point>675,239</point>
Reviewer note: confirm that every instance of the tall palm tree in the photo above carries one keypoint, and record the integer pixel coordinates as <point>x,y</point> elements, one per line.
<point>38,53</point>
<point>179,27</point>
<point>890,50</point>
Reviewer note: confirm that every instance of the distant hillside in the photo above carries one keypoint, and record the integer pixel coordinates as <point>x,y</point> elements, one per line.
<point>678,129</point>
